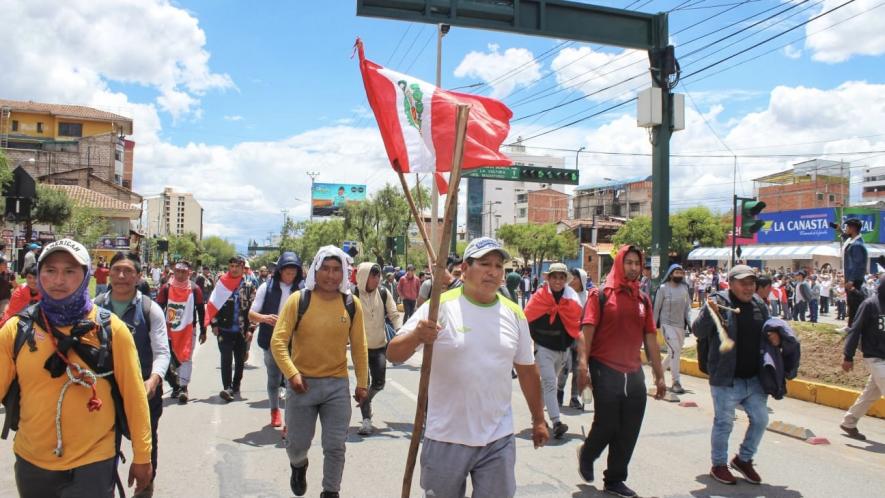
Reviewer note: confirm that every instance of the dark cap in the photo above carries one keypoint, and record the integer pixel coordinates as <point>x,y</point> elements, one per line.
<point>854,222</point>
<point>237,259</point>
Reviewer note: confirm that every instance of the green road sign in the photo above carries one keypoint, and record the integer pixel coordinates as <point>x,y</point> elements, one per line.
<point>527,174</point>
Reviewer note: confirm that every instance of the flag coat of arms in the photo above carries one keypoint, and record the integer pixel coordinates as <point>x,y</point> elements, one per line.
<point>417,122</point>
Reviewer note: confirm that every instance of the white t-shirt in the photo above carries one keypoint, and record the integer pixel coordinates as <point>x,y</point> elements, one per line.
<point>470,382</point>
<point>262,291</point>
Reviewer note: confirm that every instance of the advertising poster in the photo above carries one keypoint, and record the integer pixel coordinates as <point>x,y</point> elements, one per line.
<point>870,219</point>
<point>328,199</point>
<point>801,225</point>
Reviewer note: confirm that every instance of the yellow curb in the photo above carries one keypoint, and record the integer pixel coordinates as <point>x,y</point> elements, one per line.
<point>815,392</point>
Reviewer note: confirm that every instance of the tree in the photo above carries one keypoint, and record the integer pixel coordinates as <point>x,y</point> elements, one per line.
<point>185,246</point>
<point>53,206</point>
<point>86,226</point>
<point>385,214</point>
<point>636,232</point>
<point>309,236</point>
<point>696,224</point>
<point>216,251</point>
<point>536,243</point>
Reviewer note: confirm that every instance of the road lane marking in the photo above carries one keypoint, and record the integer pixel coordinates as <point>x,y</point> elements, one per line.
<point>399,387</point>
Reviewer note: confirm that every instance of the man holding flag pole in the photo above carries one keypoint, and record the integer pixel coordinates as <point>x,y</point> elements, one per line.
<point>426,129</point>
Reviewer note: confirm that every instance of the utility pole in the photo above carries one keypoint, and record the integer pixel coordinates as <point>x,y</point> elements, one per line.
<point>313,176</point>
<point>663,63</point>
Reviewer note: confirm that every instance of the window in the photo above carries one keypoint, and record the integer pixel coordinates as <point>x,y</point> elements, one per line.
<point>70,129</point>
<point>820,196</point>
<point>522,213</point>
<point>831,197</point>
<point>39,127</point>
<point>520,198</point>
<point>600,210</point>
<point>14,125</point>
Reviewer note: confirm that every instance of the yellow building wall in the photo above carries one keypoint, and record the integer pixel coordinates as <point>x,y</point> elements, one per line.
<point>27,125</point>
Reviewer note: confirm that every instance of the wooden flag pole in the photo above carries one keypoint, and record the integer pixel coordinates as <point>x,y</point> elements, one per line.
<point>439,269</point>
<point>431,254</point>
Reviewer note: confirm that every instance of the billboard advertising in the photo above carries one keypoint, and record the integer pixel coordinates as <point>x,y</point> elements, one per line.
<point>327,199</point>
<point>870,220</point>
<point>802,225</point>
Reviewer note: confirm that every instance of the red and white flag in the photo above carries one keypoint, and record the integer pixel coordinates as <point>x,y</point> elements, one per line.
<point>417,122</point>
<point>225,286</point>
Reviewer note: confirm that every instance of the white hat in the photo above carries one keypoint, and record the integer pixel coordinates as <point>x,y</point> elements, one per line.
<point>69,246</point>
<point>481,246</point>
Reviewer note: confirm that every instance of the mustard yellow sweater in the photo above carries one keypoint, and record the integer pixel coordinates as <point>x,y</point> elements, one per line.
<point>87,437</point>
<point>319,346</point>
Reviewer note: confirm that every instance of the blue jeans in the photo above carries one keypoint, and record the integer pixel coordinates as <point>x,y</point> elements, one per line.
<point>746,392</point>
<point>813,308</point>
<point>274,380</point>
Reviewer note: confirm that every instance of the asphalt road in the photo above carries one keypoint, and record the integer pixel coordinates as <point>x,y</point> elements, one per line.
<point>211,448</point>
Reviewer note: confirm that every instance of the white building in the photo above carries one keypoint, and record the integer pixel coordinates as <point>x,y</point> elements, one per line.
<point>492,203</point>
<point>873,185</point>
<point>172,213</point>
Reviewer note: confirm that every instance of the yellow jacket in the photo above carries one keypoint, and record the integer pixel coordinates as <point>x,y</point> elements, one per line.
<point>87,437</point>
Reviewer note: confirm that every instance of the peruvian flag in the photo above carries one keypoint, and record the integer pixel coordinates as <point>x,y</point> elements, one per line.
<point>417,122</point>
<point>223,289</point>
<point>569,308</point>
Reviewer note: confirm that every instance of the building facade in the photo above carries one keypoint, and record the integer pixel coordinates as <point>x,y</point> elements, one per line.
<point>626,198</point>
<point>69,145</point>
<point>172,213</point>
<point>873,186</point>
<point>492,203</point>
<point>811,184</point>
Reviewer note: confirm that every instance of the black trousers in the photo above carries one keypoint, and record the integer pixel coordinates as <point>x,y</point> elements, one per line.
<point>618,409</point>
<point>854,299</point>
<point>377,378</point>
<point>408,308</point>
<point>95,480</point>
<point>155,405</point>
<point>232,346</point>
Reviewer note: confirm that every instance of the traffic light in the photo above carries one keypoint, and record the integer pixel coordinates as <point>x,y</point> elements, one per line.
<point>548,175</point>
<point>750,208</point>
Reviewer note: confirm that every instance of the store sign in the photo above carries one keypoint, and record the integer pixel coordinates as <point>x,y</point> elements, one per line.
<point>870,220</point>
<point>802,225</point>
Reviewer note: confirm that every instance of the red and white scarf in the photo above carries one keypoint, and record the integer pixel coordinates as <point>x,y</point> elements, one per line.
<point>568,308</point>
<point>180,318</point>
<point>225,287</point>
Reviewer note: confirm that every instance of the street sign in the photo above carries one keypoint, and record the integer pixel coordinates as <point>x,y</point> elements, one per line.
<point>536,174</point>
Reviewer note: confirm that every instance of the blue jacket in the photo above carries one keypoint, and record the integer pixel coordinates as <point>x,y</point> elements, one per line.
<point>778,363</point>
<point>721,366</point>
<point>855,260</point>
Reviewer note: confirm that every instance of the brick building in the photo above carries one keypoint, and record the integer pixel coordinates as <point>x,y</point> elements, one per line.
<point>625,198</point>
<point>543,206</point>
<point>69,145</point>
<point>811,184</point>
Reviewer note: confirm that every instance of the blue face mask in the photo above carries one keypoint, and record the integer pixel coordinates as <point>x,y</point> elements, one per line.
<point>70,309</point>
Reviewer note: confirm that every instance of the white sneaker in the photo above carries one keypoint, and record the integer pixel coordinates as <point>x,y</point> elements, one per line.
<point>365,428</point>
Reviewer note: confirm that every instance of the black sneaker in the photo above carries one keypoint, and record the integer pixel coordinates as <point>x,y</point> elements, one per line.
<point>853,433</point>
<point>227,395</point>
<point>182,396</point>
<point>619,489</point>
<point>677,388</point>
<point>559,430</point>
<point>329,494</point>
<point>576,404</point>
<point>176,391</point>
<point>298,481</point>
<point>584,469</point>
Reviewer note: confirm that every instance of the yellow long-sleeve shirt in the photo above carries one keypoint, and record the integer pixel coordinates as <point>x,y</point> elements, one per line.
<point>87,437</point>
<point>319,346</point>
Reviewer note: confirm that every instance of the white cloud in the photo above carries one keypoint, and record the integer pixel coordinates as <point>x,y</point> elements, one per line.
<point>92,42</point>
<point>492,67</point>
<point>791,52</point>
<point>592,72</point>
<point>235,117</point>
<point>862,35</point>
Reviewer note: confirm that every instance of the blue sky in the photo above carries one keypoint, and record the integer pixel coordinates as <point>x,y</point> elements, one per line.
<point>235,101</point>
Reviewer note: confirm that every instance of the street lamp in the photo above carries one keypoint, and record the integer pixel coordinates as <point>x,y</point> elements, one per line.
<point>578,152</point>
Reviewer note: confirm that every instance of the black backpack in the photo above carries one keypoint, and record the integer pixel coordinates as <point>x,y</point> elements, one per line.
<point>104,300</point>
<point>102,362</point>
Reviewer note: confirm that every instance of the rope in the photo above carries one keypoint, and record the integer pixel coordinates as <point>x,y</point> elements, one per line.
<point>80,376</point>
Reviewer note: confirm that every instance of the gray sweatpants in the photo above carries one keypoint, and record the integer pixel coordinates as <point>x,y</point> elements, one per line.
<point>445,467</point>
<point>550,364</point>
<point>328,397</point>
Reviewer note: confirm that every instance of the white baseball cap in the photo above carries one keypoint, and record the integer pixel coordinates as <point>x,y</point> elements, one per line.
<point>69,246</point>
<point>481,246</point>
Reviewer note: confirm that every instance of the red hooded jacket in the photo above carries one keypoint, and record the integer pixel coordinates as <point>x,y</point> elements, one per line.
<point>627,316</point>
